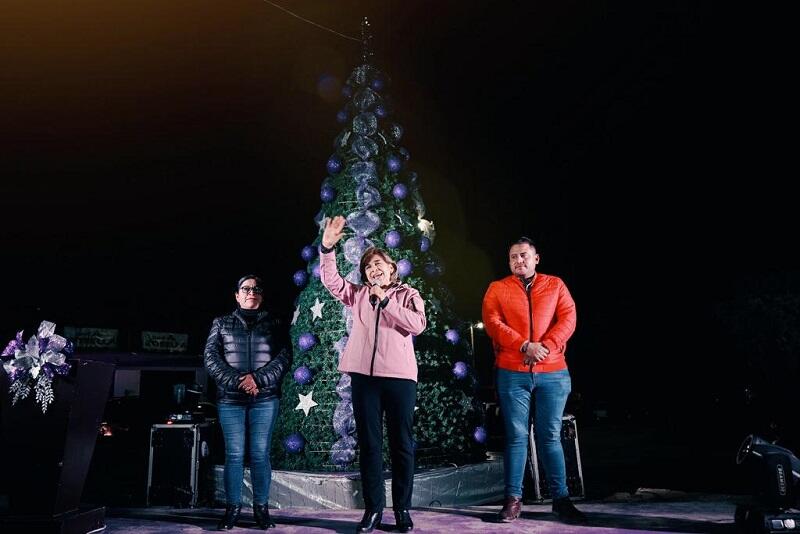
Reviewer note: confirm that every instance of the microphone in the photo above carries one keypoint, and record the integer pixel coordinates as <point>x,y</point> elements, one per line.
<point>373,299</point>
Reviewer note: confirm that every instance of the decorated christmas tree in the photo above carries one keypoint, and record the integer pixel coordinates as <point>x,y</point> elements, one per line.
<point>371,184</point>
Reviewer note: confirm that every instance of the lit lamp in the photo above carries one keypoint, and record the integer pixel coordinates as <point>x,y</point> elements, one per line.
<point>472,326</point>
<point>775,473</point>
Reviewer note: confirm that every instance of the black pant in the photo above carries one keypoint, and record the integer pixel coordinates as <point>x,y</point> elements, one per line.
<point>373,395</point>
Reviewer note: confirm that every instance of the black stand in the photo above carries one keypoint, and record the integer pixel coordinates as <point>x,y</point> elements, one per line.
<point>51,453</point>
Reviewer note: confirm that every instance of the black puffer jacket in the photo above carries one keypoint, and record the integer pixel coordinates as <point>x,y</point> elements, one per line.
<point>233,349</point>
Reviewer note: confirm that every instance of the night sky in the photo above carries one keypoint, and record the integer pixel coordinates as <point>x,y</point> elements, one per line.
<point>152,152</point>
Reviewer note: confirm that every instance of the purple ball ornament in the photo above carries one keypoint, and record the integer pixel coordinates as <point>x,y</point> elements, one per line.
<point>315,269</point>
<point>424,244</point>
<point>392,239</point>
<point>404,267</point>
<point>342,116</point>
<point>479,434</point>
<point>459,370</point>
<point>394,163</point>
<point>347,91</point>
<point>404,153</point>
<point>300,278</point>
<point>302,375</point>
<point>327,193</point>
<point>381,112</point>
<point>399,191</point>
<point>377,84</point>
<point>308,253</point>
<point>306,341</point>
<point>334,164</point>
<point>452,336</point>
<point>294,443</point>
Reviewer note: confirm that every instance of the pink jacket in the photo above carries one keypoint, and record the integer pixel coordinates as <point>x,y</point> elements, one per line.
<point>388,349</point>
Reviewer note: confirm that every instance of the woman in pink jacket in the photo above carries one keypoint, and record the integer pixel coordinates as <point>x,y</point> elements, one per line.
<point>380,359</point>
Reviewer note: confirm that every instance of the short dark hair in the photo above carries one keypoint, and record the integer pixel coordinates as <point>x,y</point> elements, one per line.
<point>524,240</point>
<point>241,281</point>
<point>375,251</point>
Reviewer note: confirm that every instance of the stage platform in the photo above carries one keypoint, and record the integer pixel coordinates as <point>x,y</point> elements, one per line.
<point>643,511</point>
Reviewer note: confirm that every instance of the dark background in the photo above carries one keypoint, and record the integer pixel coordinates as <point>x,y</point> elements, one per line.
<point>152,152</point>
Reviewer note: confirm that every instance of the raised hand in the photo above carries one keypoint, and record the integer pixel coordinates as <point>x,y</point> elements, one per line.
<point>334,230</point>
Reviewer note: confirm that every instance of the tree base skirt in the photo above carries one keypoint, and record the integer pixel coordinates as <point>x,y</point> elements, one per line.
<point>466,485</point>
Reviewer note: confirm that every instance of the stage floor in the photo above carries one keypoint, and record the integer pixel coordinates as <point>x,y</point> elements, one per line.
<point>636,513</point>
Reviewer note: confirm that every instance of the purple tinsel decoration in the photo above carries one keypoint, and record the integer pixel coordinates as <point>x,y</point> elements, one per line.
<point>300,278</point>
<point>327,193</point>
<point>294,443</point>
<point>400,191</point>
<point>306,341</point>
<point>302,375</point>
<point>460,370</point>
<point>424,244</point>
<point>334,164</point>
<point>344,387</point>
<point>479,434</point>
<point>308,253</point>
<point>392,239</point>
<point>344,422</point>
<point>404,267</point>
<point>452,336</point>
<point>394,163</point>
<point>343,451</point>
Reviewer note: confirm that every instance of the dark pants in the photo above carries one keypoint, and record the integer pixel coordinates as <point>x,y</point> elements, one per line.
<point>372,396</point>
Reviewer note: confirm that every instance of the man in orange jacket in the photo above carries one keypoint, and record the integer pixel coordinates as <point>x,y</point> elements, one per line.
<point>530,317</point>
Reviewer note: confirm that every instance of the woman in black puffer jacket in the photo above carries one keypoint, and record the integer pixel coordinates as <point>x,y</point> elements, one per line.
<point>247,354</point>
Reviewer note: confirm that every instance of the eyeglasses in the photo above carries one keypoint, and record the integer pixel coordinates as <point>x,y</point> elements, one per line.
<point>255,290</point>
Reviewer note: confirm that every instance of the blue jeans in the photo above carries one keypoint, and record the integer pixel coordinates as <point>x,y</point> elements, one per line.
<point>550,392</point>
<point>258,419</point>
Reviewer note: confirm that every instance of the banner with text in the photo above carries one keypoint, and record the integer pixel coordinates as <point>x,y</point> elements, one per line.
<point>92,338</point>
<point>164,341</point>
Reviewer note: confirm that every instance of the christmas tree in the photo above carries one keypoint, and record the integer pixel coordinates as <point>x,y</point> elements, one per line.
<point>369,183</point>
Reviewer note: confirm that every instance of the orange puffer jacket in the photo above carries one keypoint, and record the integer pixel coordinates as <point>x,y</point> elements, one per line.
<point>512,317</point>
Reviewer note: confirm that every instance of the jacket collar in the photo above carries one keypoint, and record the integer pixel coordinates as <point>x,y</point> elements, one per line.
<point>262,314</point>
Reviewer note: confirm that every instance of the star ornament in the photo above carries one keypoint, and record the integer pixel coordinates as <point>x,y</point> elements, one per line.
<point>306,403</point>
<point>316,310</point>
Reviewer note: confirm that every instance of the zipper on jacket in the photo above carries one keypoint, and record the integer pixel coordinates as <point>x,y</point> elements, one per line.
<point>530,315</point>
<point>375,346</point>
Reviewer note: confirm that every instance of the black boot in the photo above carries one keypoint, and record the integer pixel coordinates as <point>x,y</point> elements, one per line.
<point>231,516</point>
<point>370,521</point>
<point>261,514</point>
<point>567,512</point>
<point>403,521</point>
